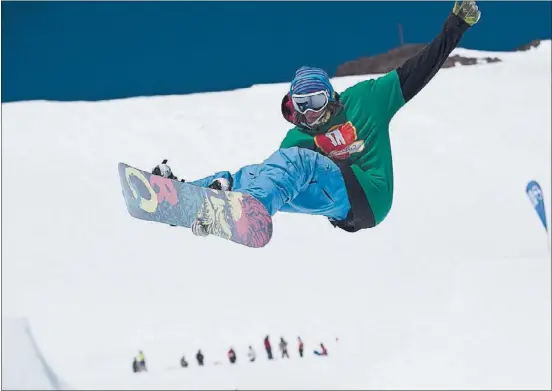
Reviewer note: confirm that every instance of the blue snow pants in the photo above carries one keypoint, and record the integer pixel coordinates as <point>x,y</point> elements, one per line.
<point>295,180</point>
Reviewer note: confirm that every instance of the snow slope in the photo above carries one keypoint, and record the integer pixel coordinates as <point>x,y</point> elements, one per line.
<point>24,366</point>
<point>453,290</point>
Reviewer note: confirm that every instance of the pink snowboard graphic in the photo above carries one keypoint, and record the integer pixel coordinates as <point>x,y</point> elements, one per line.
<point>235,216</point>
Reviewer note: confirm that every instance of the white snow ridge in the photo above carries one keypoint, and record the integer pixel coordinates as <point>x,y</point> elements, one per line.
<point>453,290</point>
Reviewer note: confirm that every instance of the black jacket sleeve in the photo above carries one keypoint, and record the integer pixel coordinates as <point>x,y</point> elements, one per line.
<point>417,71</point>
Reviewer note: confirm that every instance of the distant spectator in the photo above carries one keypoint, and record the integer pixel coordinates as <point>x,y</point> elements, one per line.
<point>141,361</point>
<point>323,351</point>
<point>135,365</point>
<point>251,354</point>
<point>301,346</point>
<point>232,356</point>
<point>268,347</point>
<point>183,362</point>
<point>283,347</point>
<point>199,358</point>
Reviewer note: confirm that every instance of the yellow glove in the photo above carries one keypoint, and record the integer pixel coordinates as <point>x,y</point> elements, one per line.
<point>467,11</point>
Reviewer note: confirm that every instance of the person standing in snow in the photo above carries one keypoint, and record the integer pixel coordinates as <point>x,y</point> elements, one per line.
<point>251,354</point>
<point>135,367</point>
<point>232,356</point>
<point>141,361</point>
<point>183,362</point>
<point>268,347</point>
<point>301,346</point>
<point>199,358</point>
<point>336,161</point>
<point>283,347</point>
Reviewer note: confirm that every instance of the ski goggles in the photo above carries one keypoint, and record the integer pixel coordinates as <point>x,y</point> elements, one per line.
<point>314,102</point>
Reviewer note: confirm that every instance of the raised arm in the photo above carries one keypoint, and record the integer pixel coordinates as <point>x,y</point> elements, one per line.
<point>417,71</point>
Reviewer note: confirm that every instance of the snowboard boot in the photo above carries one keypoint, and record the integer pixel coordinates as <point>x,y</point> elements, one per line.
<point>221,184</point>
<point>202,226</point>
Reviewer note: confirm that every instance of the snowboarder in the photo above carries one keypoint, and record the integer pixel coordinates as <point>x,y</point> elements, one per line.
<point>283,347</point>
<point>232,356</point>
<point>336,161</point>
<point>251,354</point>
<point>199,358</point>
<point>268,347</point>
<point>301,346</point>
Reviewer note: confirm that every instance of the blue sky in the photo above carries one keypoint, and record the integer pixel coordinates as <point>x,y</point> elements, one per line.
<point>101,50</point>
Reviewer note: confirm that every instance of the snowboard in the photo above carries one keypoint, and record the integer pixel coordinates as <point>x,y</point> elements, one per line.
<point>235,216</point>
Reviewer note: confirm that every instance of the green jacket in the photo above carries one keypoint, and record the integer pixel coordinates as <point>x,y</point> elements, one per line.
<point>357,138</point>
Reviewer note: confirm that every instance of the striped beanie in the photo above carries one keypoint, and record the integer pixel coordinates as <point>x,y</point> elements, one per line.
<point>308,80</point>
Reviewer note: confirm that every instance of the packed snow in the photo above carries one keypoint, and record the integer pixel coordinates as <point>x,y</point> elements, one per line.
<point>452,290</point>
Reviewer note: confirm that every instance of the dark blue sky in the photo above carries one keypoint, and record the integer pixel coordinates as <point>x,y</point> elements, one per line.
<point>100,50</point>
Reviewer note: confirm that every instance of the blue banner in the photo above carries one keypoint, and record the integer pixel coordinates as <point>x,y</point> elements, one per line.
<point>534,192</point>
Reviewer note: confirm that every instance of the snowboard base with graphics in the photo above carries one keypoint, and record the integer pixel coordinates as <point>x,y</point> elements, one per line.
<point>235,216</point>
